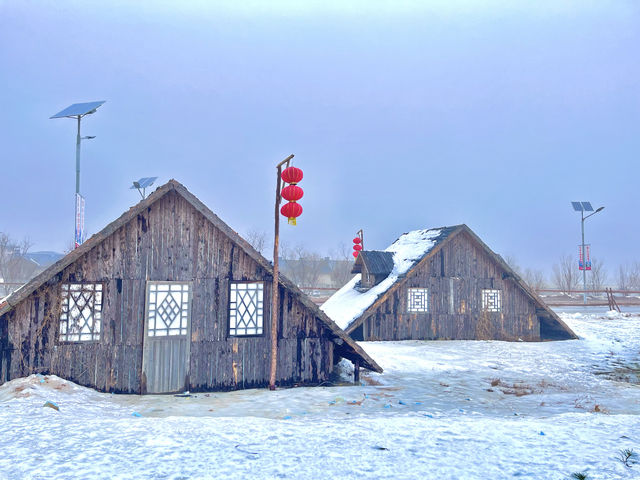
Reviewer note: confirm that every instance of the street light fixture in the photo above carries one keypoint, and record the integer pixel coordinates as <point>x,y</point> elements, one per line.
<point>77,111</point>
<point>584,207</point>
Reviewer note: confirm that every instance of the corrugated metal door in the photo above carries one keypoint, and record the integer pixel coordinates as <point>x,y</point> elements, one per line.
<point>167,334</point>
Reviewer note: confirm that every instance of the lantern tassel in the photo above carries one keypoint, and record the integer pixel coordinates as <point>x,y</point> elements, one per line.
<point>291,221</point>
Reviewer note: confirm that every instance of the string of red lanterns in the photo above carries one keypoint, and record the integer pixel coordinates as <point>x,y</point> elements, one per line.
<point>357,245</point>
<point>292,193</point>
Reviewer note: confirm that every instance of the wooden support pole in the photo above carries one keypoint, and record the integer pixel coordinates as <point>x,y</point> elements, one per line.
<point>356,372</point>
<point>274,288</point>
<point>360,234</point>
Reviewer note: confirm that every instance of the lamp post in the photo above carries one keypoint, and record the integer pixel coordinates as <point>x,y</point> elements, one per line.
<point>77,111</point>
<point>584,207</point>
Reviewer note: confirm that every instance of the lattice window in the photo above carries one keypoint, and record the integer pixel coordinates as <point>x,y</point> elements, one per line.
<point>492,300</point>
<point>81,312</point>
<point>167,309</point>
<point>246,308</point>
<point>418,300</point>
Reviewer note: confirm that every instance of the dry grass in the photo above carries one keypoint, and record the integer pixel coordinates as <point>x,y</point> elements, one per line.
<point>519,389</point>
<point>370,381</point>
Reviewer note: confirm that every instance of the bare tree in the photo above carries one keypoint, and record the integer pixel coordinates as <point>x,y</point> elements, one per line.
<point>624,278</point>
<point>301,266</point>
<point>534,278</point>
<point>629,276</point>
<point>513,263</point>
<point>565,275</point>
<point>341,266</point>
<point>598,275</point>
<point>257,239</point>
<point>634,279</point>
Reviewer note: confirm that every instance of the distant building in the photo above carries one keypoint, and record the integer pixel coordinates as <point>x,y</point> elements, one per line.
<point>17,269</point>
<point>44,259</point>
<point>167,298</point>
<point>442,283</point>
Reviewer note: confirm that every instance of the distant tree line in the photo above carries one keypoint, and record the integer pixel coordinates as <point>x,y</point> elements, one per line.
<point>566,276</point>
<point>308,269</point>
<point>311,269</point>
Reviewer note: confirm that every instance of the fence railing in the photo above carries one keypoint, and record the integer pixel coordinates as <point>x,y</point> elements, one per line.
<point>553,297</point>
<point>588,291</point>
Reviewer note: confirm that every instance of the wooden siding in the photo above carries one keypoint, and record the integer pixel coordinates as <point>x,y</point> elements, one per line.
<point>169,241</point>
<point>455,277</point>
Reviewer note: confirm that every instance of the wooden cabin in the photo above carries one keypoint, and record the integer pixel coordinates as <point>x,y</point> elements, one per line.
<point>167,298</point>
<point>441,283</point>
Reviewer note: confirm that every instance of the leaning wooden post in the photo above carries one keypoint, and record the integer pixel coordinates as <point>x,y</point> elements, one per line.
<point>274,288</point>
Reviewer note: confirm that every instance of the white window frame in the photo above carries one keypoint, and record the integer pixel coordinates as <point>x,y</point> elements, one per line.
<point>246,309</point>
<point>492,299</point>
<point>80,312</point>
<point>168,309</point>
<point>417,300</point>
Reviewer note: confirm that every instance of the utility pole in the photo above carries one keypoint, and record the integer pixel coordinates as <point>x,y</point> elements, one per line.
<point>584,207</point>
<point>274,288</point>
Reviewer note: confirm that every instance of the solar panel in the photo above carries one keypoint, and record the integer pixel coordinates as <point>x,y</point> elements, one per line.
<point>144,182</point>
<point>577,206</point>
<point>78,109</point>
<point>587,206</point>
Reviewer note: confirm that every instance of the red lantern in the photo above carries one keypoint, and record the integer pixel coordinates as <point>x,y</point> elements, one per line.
<point>357,240</point>
<point>357,247</point>
<point>355,254</point>
<point>292,193</point>
<point>291,175</point>
<point>291,210</point>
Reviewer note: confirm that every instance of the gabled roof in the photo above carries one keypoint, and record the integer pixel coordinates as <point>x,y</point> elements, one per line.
<point>377,262</point>
<point>348,304</point>
<point>348,307</point>
<point>345,346</point>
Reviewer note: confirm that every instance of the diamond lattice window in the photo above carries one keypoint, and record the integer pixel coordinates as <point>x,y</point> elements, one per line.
<point>492,300</point>
<point>246,309</point>
<point>418,300</point>
<point>81,312</point>
<point>167,309</point>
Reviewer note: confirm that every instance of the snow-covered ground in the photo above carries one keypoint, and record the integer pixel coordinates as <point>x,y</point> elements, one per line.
<point>448,409</point>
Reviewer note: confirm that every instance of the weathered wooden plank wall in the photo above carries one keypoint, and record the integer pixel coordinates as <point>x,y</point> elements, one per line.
<point>170,241</point>
<point>455,277</point>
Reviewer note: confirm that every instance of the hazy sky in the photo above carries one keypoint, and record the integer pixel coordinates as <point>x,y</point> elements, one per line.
<point>402,115</point>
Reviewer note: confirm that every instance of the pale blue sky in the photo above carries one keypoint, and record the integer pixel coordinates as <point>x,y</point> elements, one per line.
<point>402,115</point>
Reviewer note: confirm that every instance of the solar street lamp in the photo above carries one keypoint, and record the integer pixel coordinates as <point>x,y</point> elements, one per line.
<point>142,184</point>
<point>584,207</point>
<point>77,111</point>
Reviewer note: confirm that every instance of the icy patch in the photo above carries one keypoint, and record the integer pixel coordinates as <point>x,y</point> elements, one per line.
<point>347,304</point>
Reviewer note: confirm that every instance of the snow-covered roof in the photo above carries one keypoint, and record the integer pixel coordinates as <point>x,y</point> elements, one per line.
<point>348,303</point>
